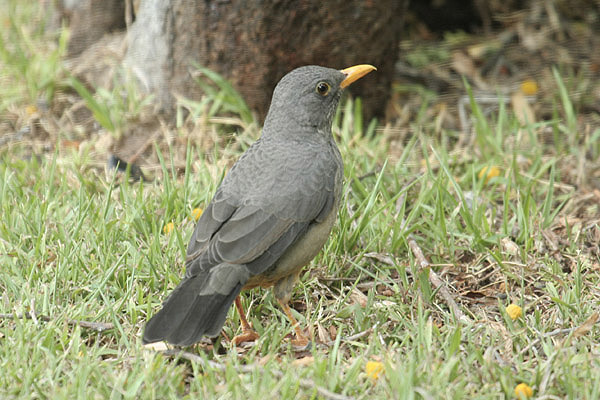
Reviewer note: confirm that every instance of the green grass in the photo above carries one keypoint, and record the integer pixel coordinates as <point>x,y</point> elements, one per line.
<point>114,110</point>
<point>76,244</point>
<point>76,247</point>
<point>31,69</point>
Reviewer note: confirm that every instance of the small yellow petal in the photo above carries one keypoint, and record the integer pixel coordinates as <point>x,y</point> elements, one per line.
<point>30,109</point>
<point>168,228</point>
<point>373,369</point>
<point>196,213</point>
<point>523,391</point>
<point>529,87</point>
<point>514,311</point>
<point>489,173</point>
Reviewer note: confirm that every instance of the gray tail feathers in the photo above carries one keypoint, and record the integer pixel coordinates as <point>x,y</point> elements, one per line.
<point>197,307</point>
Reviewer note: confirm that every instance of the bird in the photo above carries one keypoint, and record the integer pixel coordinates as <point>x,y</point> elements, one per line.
<point>270,216</point>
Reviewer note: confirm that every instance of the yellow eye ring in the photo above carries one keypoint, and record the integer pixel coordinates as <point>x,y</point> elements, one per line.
<point>323,88</point>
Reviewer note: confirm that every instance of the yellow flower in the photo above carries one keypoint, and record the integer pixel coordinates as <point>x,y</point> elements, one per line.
<point>30,109</point>
<point>523,391</point>
<point>168,228</point>
<point>196,213</point>
<point>489,173</point>
<point>373,369</point>
<point>529,87</point>
<point>514,311</point>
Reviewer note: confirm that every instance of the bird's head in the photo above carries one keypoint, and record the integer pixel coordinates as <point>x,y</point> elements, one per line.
<point>307,97</point>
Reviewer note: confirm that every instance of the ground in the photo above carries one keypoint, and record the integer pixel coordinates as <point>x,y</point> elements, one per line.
<point>465,262</point>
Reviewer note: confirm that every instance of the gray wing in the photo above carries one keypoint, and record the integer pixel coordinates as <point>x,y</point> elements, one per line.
<point>242,236</point>
<point>244,223</point>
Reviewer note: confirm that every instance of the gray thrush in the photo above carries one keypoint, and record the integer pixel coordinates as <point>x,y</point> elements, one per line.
<point>270,216</point>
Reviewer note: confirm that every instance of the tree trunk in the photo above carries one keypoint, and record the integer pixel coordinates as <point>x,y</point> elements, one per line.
<point>89,21</point>
<point>254,43</point>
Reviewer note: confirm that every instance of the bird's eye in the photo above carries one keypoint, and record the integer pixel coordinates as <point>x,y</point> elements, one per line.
<point>323,88</point>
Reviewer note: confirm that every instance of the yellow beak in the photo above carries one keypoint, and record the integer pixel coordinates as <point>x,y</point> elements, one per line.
<point>355,73</point>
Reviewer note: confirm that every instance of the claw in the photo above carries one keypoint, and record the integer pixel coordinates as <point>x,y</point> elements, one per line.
<point>247,335</point>
<point>301,344</point>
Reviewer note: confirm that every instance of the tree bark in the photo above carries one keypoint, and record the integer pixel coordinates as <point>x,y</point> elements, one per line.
<point>254,43</point>
<point>89,21</point>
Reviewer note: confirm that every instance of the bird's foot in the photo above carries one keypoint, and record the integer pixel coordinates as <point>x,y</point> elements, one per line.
<point>247,335</point>
<point>301,344</point>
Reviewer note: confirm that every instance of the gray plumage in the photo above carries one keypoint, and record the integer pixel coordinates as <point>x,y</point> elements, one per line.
<point>270,216</point>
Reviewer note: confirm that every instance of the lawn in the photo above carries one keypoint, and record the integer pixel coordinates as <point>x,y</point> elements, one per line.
<point>439,232</point>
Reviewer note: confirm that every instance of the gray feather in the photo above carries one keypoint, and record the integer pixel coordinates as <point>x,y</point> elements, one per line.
<point>285,182</point>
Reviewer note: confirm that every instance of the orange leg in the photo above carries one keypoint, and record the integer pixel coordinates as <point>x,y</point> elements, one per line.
<point>301,342</point>
<point>248,334</point>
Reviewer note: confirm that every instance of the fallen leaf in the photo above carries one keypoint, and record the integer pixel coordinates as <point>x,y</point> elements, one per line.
<point>359,298</point>
<point>586,327</point>
<point>264,360</point>
<point>304,361</point>
<point>509,246</point>
<point>71,144</point>
<point>522,109</point>
<point>157,346</point>
<point>480,50</point>
<point>332,331</point>
<point>463,64</point>
<point>384,304</point>
<point>323,334</point>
